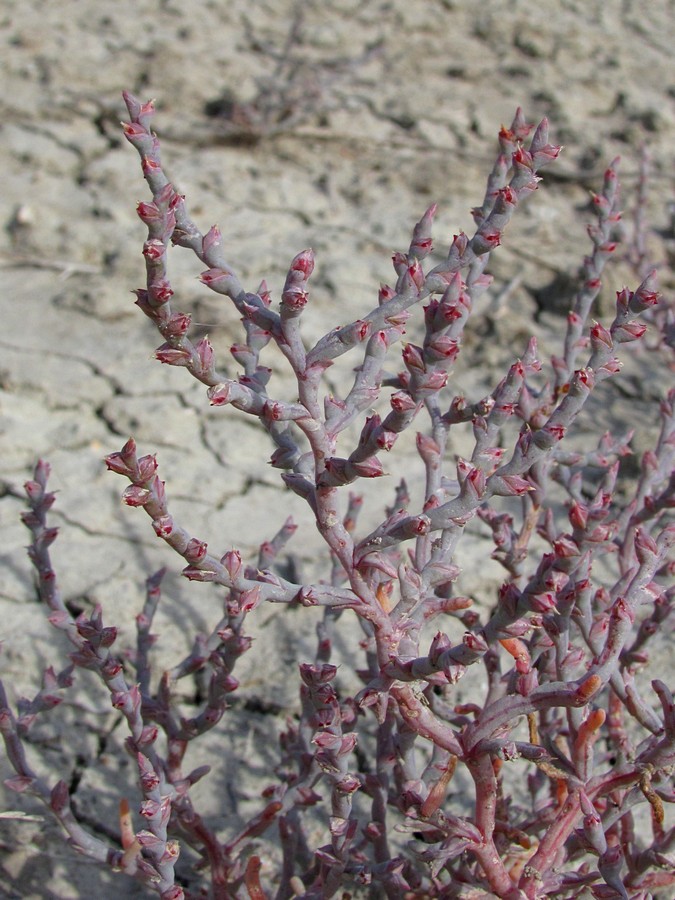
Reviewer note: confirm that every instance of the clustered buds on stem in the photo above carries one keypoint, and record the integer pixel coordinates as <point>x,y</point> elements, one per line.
<point>560,648</point>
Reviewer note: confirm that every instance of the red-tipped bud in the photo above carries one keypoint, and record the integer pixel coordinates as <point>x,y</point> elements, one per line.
<point>612,366</point>
<point>211,239</point>
<point>149,166</point>
<point>646,295</point>
<point>177,326</point>
<point>115,462</point>
<point>232,563</point>
<point>401,402</point>
<point>133,132</point>
<point>629,331</point>
<point>474,642</point>
<point>313,676</point>
<point>385,294</point>
<point>565,548</point>
<point>139,112</point>
<point>128,451</point>
<point>172,356</point>
<point>148,212</point>
<point>522,159</point>
<point>294,297</point>
<point>471,478</point>
<point>249,599</point>
<point>431,382</point>
<point>413,358</point>
<point>369,468</point>
<point>427,448</point>
<point>543,603</point>
<point>195,551</point>
<point>147,467</point>
<point>512,486</point>
<point>160,291</point>
<point>439,645</point>
<point>154,249</point>
<point>442,347</point>
<point>646,548</point>
<point>543,152</point>
<point>355,333</point>
<point>204,350</point>
<point>135,495</point>
<point>485,240</point>
<point>212,277</point>
<point>303,263</point>
<point>578,515</point>
<point>600,337</point>
<point>220,394</point>
<point>421,242</point>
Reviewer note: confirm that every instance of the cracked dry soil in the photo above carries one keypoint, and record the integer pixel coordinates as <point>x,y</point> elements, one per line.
<point>290,125</point>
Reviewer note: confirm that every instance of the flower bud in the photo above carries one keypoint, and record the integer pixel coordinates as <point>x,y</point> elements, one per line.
<point>172,356</point>
<point>211,240</point>
<point>195,551</point>
<point>154,249</point>
<point>646,295</point>
<point>135,495</point>
<point>212,277</point>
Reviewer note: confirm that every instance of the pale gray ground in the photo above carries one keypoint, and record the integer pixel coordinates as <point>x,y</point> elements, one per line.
<point>381,108</point>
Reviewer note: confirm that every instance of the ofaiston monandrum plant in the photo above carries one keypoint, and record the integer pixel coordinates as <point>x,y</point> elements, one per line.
<point>564,650</point>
